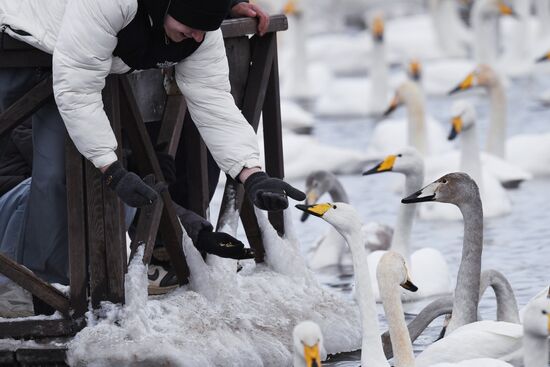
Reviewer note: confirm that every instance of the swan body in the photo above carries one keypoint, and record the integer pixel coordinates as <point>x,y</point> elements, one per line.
<point>426,135</point>
<point>331,249</point>
<point>428,266</point>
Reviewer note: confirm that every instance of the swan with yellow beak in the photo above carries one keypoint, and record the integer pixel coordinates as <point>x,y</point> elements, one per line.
<point>308,345</point>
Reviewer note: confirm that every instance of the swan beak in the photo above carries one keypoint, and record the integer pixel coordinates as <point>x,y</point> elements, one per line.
<point>312,355</point>
<point>378,29</point>
<point>393,105</point>
<point>456,128</point>
<point>311,198</point>
<point>317,210</point>
<point>384,166</point>
<point>409,285</point>
<point>425,194</point>
<point>506,9</point>
<point>415,70</point>
<point>467,83</point>
<point>548,315</point>
<point>544,58</point>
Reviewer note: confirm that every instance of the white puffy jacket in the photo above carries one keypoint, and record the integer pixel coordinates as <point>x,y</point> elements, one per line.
<point>82,34</point>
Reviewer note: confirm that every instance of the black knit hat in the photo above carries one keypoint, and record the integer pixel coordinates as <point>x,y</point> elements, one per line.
<point>204,15</point>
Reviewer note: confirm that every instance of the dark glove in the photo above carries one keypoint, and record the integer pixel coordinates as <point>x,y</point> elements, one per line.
<point>223,245</point>
<point>129,187</point>
<point>270,193</point>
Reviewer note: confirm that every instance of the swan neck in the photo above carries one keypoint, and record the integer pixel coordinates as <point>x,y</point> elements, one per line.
<point>507,307</point>
<point>372,353</point>
<point>378,74</point>
<point>338,193</point>
<point>405,218</point>
<point>486,31</point>
<point>496,135</point>
<point>417,131</point>
<point>300,51</point>
<point>399,333</point>
<point>470,160</point>
<point>535,350</point>
<point>466,296</point>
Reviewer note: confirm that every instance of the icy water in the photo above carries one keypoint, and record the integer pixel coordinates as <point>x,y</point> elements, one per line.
<point>518,245</point>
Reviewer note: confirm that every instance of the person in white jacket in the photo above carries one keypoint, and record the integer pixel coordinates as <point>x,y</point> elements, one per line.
<point>90,39</point>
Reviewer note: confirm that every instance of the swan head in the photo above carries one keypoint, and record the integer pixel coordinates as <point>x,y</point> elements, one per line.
<point>463,118</point>
<point>414,70</point>
<point>483,76</point>
<point>536,319</point>
<point>317,184</point>
<point>408,161</point>
<point>454,188</point>
<point>377,28</point>
<point>392,269</point>
<point>343,217</point>
<point>408,92</point>
<point>291,8</point>
<point>487,8</point>
<point>308,343</point>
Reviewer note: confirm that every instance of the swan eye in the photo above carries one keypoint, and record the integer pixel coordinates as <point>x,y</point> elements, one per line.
<point>400,155</point>
<point>334,207</point>
<point>544,312</point>
<point>444,181</point>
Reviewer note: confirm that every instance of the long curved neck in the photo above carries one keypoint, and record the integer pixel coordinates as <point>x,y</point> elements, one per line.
<point>378,74</point>
<point>372,353</point>
<point>486,36</point>
<point>300,51</point>
<point>338,193</point>
<point>543,15</point>
<point>507,306</point>
<point>466,296</point>
<point>402,232</point>
<point>399,333</point>
<point>535,350</point>
<point>470,160</point>
<point>496,136</point>
<point>417,131</point>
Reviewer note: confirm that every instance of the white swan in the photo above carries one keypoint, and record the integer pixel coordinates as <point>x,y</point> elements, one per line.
<point>360,96</point>
<point>392,271</point>
<point>452,35</point>
<point>528,152</point>
<point>426,135</point>
<point>331,249</point>
<point>347,222</point>
<point>465,338</point>
<point>308,345</point>
<point>428,266</point>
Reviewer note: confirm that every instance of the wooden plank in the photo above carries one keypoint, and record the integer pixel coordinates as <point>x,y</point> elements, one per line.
<point>147,162</point>
<point>76,209</point>
<point>32,101</point>
<point>273,135</point>
<point>147,228</point>
<point>172,123</point>
<point>39,328</point>
<point>115,239</point>
<point>27,280</point>
<point>252,230</point>
<point>196,167</point>
<point>96,235</point>
<point>7,358</point>
<point>42,356</point>
<point>246,26</point>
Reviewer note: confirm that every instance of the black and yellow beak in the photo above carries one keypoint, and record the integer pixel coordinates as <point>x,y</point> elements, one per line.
<point>317,210</point>
<point>506,9</point>
<point>311,198</point>
<point>415,70</point>
<point>378,29</point>
<point>544,58</point>
<point>456,127</point>
<point>393,105</point>
<point>425,194</point>
<point>467,83</point>
<point>384,166</point>
<point>312,355</point>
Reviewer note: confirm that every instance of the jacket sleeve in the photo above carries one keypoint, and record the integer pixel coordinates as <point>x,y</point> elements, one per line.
<point>81,61</point>
<point>203,78</point>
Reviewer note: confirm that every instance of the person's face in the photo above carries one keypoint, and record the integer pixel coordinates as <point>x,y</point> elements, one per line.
<point>178,32</point>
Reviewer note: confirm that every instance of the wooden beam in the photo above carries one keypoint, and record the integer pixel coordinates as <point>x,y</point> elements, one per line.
<point>196,168</point>
<point>39,328</point>
<point>27,280</point>
<point>41,357</point>
<point>246,26</point>
<point>25,59</point>
<point>27,105</point>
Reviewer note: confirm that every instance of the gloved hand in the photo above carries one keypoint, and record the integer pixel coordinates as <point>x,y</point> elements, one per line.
<point>128,186</point>
<point>270,193</point>
<point>223,245</point>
